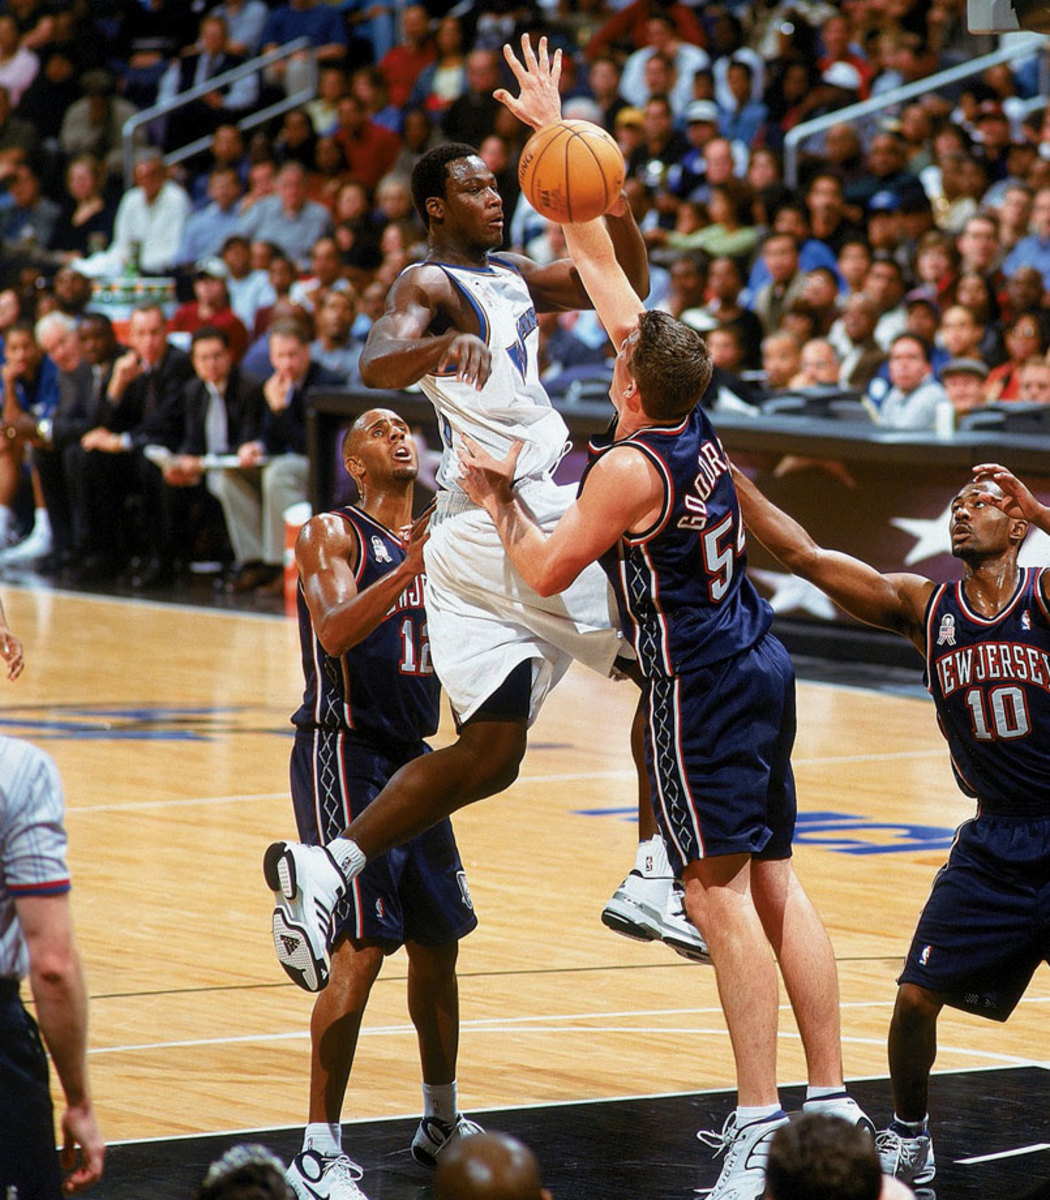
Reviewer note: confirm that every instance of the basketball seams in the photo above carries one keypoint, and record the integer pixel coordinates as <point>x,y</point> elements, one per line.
<point>574,173</point>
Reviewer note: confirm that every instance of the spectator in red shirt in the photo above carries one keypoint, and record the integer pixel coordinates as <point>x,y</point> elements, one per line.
<point>211,306</point>
<point>370,150</point>
<point>401,65</point>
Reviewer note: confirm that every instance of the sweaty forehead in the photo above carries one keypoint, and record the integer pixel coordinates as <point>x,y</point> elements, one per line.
<point>459,170</point>
<point>977,487</point>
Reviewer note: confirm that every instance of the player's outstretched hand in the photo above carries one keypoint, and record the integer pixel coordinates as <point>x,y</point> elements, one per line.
<point>1016,500</point>
<point>12,654</point>
<point>416,537</point>
<point>539,102</point>
<point>483,477</point>
<point>471,358</point>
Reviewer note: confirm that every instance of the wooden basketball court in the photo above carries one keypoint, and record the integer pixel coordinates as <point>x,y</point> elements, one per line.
<point>170,726</point>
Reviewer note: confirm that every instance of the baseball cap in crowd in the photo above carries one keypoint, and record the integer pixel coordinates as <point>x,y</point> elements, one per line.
<point>922,296</point>
<point>965,366</point>
<point>214,267</point>
<point>842,75</point>
<point>701,110</point>
<point>630,116</point>
<point>884,201</point>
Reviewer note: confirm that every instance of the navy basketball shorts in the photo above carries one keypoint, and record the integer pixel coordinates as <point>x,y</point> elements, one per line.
<point>986,925</point>
<point>416,892</point>
<point>28,1161</point>
<point>718,750</point>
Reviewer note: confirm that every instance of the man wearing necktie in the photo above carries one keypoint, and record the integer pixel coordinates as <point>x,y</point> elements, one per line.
<point>207,59</point>
<point>223,409</point>
<point>145,404</point>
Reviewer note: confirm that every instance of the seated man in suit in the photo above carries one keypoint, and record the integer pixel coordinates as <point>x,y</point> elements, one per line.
<point>273,464</point>
<point>142,406</point>
<point>223,410</point>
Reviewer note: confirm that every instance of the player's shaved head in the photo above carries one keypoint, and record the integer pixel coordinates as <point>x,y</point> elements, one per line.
<point>363,423</point>
<point>489,1166</point>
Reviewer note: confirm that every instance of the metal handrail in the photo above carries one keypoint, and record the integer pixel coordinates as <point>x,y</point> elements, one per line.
<point>1018,48</point>
<point>252,67</point>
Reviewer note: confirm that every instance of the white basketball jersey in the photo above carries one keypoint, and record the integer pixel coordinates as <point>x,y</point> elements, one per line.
<point>513,405</point>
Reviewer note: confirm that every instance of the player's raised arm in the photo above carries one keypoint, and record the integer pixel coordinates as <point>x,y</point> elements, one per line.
<point>614,299</point>
<point>896,602</point>
<point>559,284</point>
<point>1017,499</point>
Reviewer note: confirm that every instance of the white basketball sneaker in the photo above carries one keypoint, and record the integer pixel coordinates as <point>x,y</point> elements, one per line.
<point>841,1105</point>
<point>906,1155</point>
<point>746,1148</point>
<point>434,1136</point>
<point>650,908</point>
<point>38,544</point>
<point>314,1176</point>
<point>637,906</point>
<point>307,885</point>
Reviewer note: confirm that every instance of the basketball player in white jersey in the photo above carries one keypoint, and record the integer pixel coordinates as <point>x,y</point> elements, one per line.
<point>462,325</point>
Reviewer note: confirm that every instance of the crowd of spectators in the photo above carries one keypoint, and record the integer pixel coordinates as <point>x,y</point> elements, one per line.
<point>906,267</point>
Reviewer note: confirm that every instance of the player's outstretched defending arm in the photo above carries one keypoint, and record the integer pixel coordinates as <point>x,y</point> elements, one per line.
<point>539,104</point>
<point>896,602</point>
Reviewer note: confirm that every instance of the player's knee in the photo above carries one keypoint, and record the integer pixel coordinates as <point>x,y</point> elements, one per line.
<point>916,1008</point>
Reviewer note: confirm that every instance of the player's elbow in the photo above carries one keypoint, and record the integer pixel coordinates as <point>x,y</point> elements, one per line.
<point>552,578</point>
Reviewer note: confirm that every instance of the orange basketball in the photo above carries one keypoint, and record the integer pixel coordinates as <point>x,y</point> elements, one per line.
<point>571,171</point>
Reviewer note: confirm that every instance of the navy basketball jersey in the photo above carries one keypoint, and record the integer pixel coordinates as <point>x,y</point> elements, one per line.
<point>384,687</point>
<point>990,680</point>
<point>684,597</point>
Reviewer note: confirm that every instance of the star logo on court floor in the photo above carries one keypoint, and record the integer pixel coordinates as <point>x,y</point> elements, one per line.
<point>932,537</point>
<point>791,594</point>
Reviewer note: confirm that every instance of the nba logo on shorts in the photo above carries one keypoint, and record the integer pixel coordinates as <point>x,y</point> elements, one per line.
<point>380,912</point>
<point>947,630</point>
<point>924,957</point>
<point>461,879</point>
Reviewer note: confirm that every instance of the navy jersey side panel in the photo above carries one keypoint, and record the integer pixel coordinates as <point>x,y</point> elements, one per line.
<point>990,681</point>
<point>384,687</point>
<point>684,596</point>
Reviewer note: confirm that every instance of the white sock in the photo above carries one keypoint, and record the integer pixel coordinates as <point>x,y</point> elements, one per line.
<point>324,1138</point>
<point>348,856</point>
<point>814,1095</point>
<point>651,858</point>
<point>7,520</point>
<point>760,1112</point>
<point>440,1100</point>
<point>41,521</point>
<point>913,1127</point>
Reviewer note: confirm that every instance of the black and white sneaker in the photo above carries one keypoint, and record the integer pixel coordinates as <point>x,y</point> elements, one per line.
<point>307,885</point>
<point>314,1176</point>
<point>434,1136</point>
<point>746,1150</point>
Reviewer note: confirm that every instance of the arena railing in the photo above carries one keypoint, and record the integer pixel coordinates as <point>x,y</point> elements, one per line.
<point>1018,48</point>
<point>248,121</point>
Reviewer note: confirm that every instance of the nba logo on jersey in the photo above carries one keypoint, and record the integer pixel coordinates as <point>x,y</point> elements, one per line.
<point>947,631</point>
<point>1026,621</point>
<point>379,550</point>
